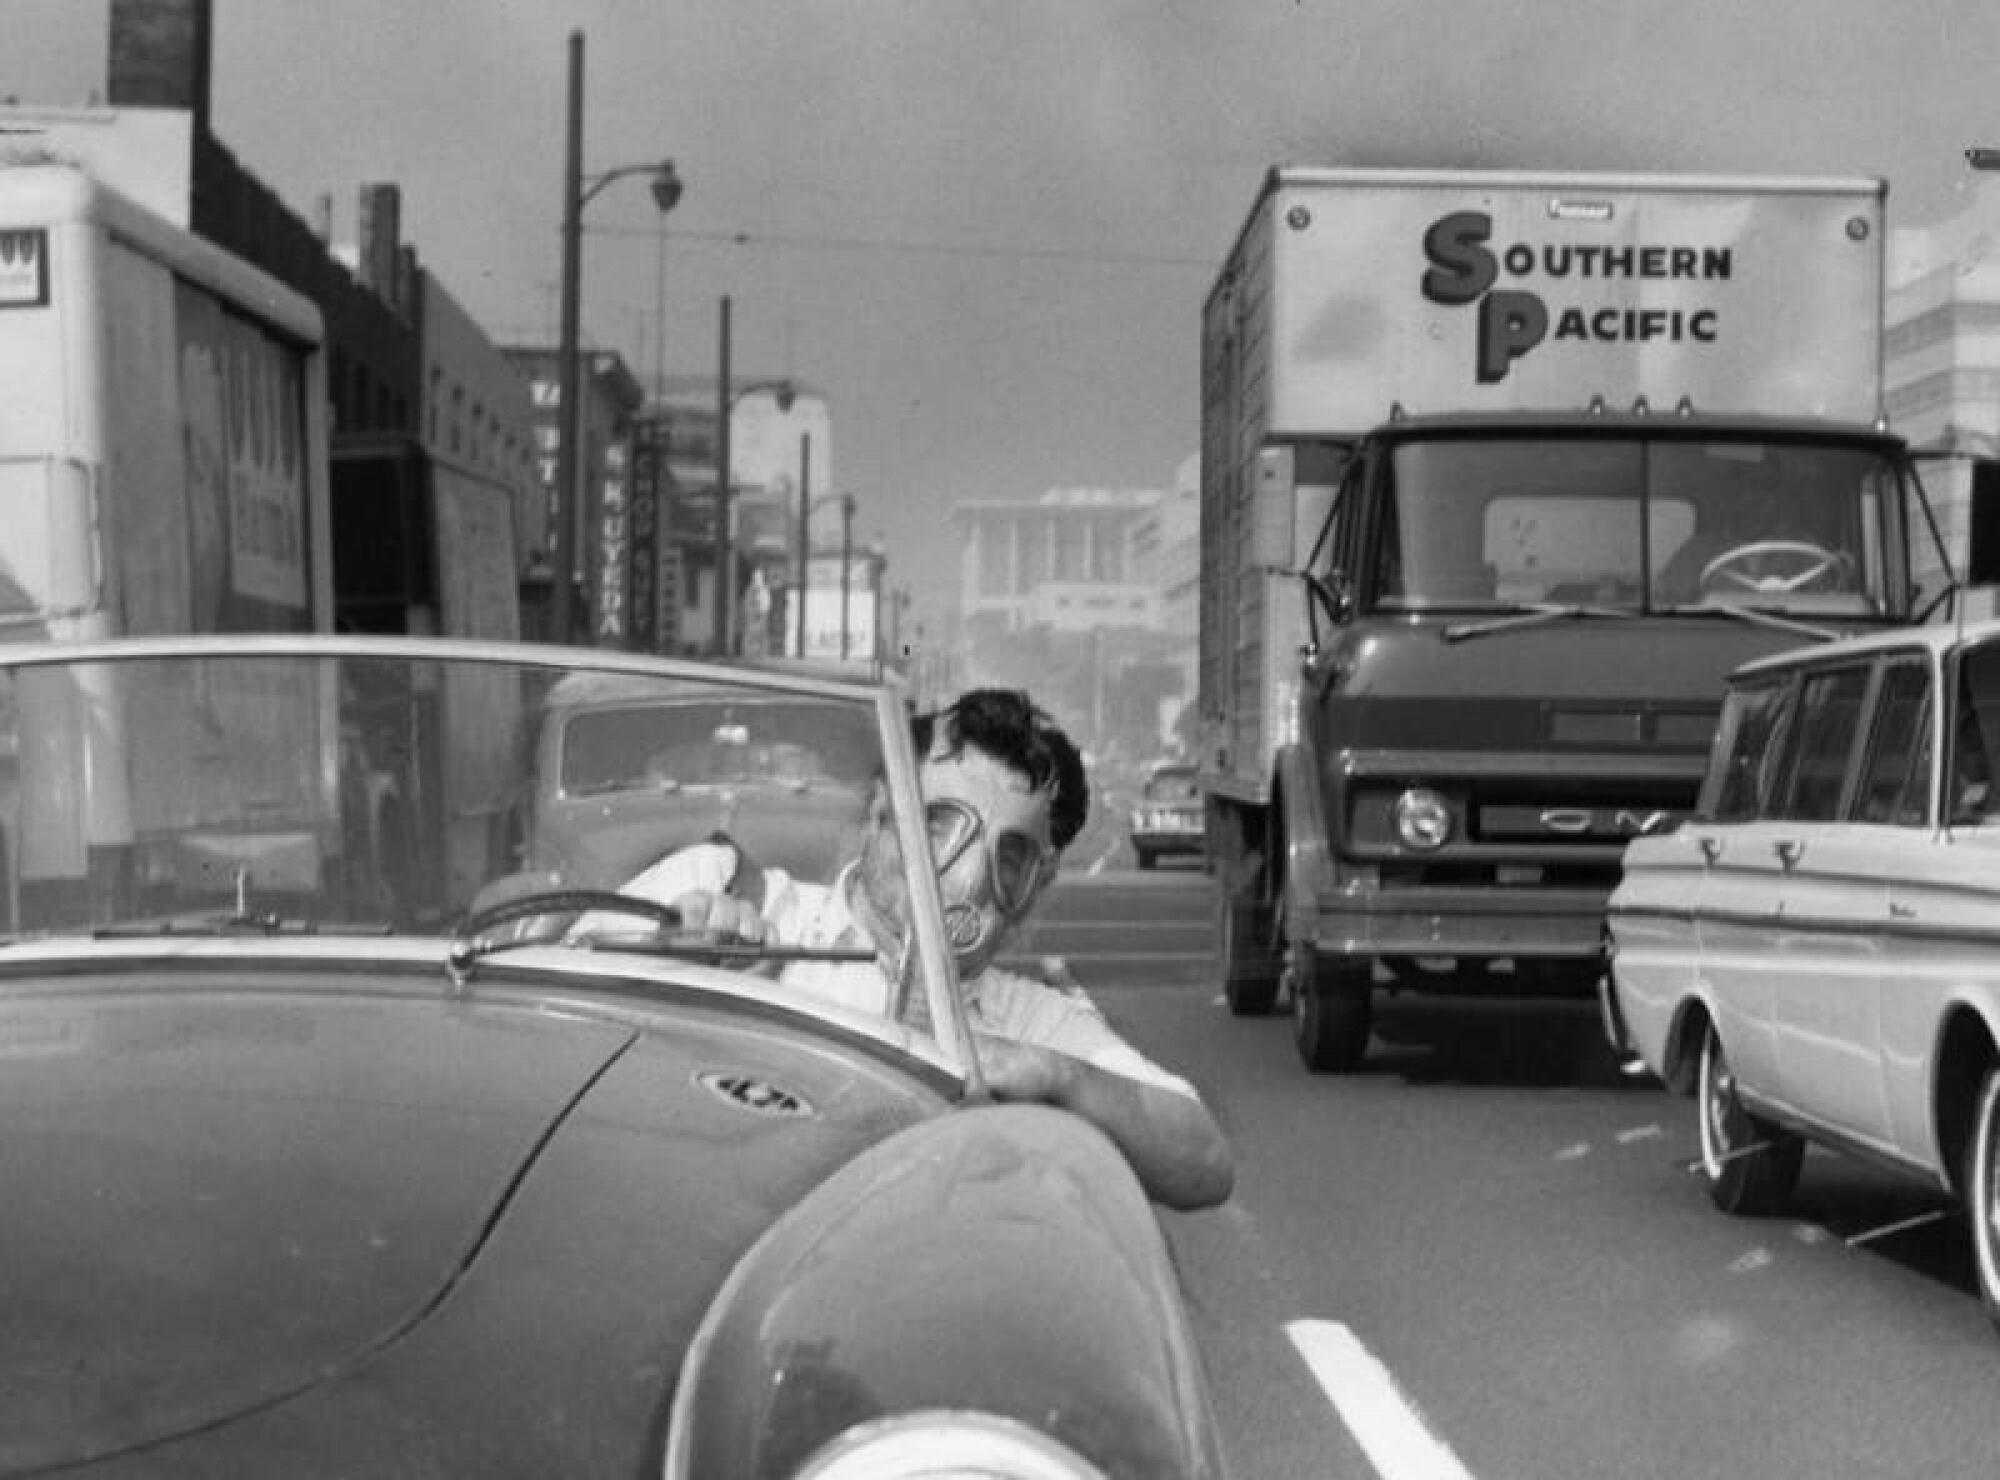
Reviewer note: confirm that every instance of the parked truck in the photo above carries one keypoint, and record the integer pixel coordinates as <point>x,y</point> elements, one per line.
<point>165,467</point>
<point>1501,474</point>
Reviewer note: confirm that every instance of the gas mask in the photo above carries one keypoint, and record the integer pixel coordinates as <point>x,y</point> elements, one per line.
<point>1017,868</point>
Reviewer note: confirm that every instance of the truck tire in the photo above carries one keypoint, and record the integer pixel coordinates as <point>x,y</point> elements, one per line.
<point>1250,970</point>
<point>1332,1009</point>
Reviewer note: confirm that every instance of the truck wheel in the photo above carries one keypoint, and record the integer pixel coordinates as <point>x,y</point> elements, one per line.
<point>1243,949</point>
<point>1332,1009</point>
<point>1751,1165</point>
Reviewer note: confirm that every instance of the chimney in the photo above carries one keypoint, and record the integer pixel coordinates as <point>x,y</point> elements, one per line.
<point>323,217</point>
<point>377,235</point>
<point>160,53</point>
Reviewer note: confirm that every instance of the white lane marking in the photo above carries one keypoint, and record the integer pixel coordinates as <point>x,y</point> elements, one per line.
<point>1385,1425</point>
<point>1752,1260</point>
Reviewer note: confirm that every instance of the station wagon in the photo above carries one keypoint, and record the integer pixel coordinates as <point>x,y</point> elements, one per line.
<point>1815,953</point>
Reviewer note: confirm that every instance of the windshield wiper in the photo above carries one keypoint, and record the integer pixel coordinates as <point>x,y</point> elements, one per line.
<point>1755,616</point>
<point>1534,614</point>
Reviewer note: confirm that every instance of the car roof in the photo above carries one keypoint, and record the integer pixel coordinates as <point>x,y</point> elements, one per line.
<point>1931,637</point>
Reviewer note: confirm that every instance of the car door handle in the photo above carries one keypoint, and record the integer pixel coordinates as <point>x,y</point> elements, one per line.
<point>1711,848</point>
<point>1901,911</point>
<point>1788,851</point>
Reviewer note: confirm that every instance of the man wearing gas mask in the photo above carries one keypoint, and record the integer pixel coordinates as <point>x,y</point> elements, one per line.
<point>1004,794</point>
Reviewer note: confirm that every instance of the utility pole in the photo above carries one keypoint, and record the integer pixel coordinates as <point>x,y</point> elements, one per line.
<point>846,563</point>
<point>725,558</point>
<point>565,542</point>
<point>805,523</point>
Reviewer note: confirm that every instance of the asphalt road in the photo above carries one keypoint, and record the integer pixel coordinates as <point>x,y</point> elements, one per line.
<point>1485,1256</point>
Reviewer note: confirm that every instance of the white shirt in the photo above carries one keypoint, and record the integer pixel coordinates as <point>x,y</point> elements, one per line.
<point>1007,1004</point>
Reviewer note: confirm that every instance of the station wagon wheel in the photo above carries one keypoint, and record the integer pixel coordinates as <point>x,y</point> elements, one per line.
<point>1982,1194</point>
<point>1751,1165</point>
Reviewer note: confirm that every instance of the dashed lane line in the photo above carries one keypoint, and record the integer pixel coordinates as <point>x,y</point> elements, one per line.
<point>1384,1423</point>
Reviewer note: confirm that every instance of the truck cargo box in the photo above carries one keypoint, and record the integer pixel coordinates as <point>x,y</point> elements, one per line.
<point>1354,291</point>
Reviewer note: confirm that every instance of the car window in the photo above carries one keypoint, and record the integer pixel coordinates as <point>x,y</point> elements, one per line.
<point>1895,777</point>
<point>1170,786</point>
<point>1747,749</point>
<point>710,742</point>
<point>1829,715</point>
<point>1976,737</point>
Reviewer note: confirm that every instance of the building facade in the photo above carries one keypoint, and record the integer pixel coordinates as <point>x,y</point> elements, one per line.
<point>1064,561</point>
<point>1942,350</point>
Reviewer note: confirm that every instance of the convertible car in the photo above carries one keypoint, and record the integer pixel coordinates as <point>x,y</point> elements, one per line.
<point>307,1175</point>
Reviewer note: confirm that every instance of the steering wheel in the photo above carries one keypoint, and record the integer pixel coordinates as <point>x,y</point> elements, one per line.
<point>564,903</point>
<point>1818,563</point>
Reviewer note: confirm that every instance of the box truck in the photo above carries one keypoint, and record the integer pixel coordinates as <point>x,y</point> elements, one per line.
<point>1501,474</point>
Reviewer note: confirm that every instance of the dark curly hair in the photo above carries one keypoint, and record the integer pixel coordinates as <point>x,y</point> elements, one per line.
<point>1009,726</point>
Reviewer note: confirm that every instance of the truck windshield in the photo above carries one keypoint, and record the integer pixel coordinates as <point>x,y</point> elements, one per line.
<point>1637,524</point>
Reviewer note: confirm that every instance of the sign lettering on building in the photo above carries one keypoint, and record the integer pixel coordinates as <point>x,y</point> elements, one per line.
<point>645,542</point>
<point>613,536</point>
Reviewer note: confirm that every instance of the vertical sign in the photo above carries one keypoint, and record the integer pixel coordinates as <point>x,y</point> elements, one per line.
<point>643,583</point>
<point>614,535</point>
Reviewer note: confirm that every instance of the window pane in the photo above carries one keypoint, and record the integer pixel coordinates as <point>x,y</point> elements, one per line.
<point>1897,774</point>
<point>1830,710</point>
<point>1976,742</point>
<point>1748,746</point>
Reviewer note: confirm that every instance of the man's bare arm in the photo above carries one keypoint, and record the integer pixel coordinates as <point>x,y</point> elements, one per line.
<point>1171,1140</point>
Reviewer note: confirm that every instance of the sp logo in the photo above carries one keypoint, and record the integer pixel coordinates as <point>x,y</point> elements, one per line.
<point>1463,271</point>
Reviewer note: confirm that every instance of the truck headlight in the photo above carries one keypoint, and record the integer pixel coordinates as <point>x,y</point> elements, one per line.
<point>946,1444</point>
<point>1423,819</point>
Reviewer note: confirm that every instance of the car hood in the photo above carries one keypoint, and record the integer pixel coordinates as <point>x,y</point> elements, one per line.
<point>222,1203</point>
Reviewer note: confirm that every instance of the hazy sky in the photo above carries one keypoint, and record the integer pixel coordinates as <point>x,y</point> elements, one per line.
<point>984,227</point>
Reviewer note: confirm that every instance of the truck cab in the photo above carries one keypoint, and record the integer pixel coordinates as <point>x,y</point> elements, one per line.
<point>1513,631</point>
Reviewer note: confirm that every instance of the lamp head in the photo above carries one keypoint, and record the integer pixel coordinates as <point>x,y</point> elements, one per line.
<point>666,187</point>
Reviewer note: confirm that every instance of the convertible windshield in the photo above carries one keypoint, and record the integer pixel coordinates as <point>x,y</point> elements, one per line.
<point>345,786</point>
<point>1589,525</point>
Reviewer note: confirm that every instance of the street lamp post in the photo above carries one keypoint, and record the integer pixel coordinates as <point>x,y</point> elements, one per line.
<point>807,503</point>
<point>565,544</point>
<point>846,563</point>
<point>805,521</point>
<point>726,397</point>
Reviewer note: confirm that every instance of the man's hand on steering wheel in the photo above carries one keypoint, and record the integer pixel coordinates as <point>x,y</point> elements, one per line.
<point>722,915</point>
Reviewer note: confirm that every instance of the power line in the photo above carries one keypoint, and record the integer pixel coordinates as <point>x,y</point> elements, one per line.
<point>914,248</point>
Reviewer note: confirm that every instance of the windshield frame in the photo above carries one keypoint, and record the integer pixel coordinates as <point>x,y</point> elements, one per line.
<point>1884,590</point>
<point>885,696</point>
